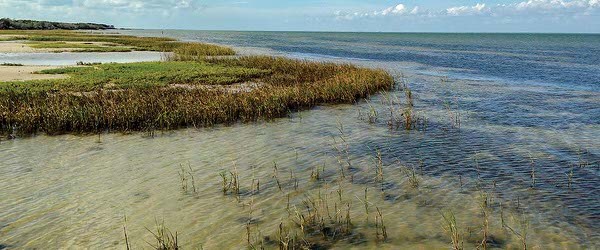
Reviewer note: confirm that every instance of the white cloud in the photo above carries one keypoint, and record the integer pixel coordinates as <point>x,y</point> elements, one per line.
<point>124,6</point>
<point>415,10</point>
<point>550,4</point>
<point>467,10</point>
<point>563,8</point>
<point>398,9</point>
<point>529,7</point>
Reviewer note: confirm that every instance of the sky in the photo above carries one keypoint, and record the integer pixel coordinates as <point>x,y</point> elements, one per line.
<point>552,16</point>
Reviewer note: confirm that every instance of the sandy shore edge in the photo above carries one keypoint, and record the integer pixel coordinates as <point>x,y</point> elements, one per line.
<point>24,73</point>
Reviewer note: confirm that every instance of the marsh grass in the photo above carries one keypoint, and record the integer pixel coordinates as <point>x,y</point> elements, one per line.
<point>160,44</point>
<point>522,230</point>
<point>485,213</point>
<point>532,164</point>
<point>379,175</point>
<point>275,176</point>
<point>319,221</point>
<point>163,237</point>
<point>78,47</point>
<point>230,182</point>
<point>402,115</point>
<point>164,96</point>
<point>570,176</point>
<point>452,229</point>
<point>127,243</point>
<point>175,94</point>
<point>311,219</point>
<point>380,229</point>
<point>186,175</point>
<point>315,226</point>
<point>412,176</point>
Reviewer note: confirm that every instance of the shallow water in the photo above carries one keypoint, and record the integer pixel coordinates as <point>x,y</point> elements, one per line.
<point>71,58</point>
<point>72,191</point>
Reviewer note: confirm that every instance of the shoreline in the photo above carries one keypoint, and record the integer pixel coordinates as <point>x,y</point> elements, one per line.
<point>26,73</point>
<point>164,95</point>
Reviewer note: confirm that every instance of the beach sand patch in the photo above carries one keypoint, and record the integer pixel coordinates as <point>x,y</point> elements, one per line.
<point>24,73</point>
<point>15,47</point>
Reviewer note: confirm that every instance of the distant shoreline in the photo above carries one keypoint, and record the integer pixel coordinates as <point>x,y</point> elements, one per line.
<point>13,24</point>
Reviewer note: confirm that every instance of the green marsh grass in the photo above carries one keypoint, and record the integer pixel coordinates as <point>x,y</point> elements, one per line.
<point>161,44</point>
<point>77,47</point>
<point>171,95</point>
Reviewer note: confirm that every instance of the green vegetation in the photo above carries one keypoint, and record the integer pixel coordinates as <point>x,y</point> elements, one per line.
<point>119,41</point>
<point>12,38</point>
<point>169,95</point>
<point>11,64</point>
<point>12,24</point>
<point>79,47</point>
<point>190,90</point>
<point>55,45</point>
<point>135,75</point>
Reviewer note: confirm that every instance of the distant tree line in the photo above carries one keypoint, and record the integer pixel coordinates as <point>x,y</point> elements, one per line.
<point>11,24</point>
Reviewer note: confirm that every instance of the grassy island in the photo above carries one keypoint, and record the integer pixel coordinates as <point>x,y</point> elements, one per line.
<point>196,86</point>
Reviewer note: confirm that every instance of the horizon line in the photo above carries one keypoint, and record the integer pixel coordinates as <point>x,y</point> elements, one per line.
<point>389,32</point>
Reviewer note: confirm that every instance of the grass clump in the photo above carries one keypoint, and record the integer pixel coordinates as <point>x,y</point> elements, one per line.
<point>82,63</point>
<point>164,238</point>
<point>453,231</point>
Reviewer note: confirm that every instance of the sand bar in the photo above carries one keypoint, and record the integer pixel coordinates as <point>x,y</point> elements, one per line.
<point>23,73</point>
<point>17,47</point>
<point>21,47</point>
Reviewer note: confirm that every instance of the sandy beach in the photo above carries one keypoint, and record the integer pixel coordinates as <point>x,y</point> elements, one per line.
<point>24,73</point>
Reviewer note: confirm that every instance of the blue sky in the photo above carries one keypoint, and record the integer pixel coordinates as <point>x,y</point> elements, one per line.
<point>321,15</point>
